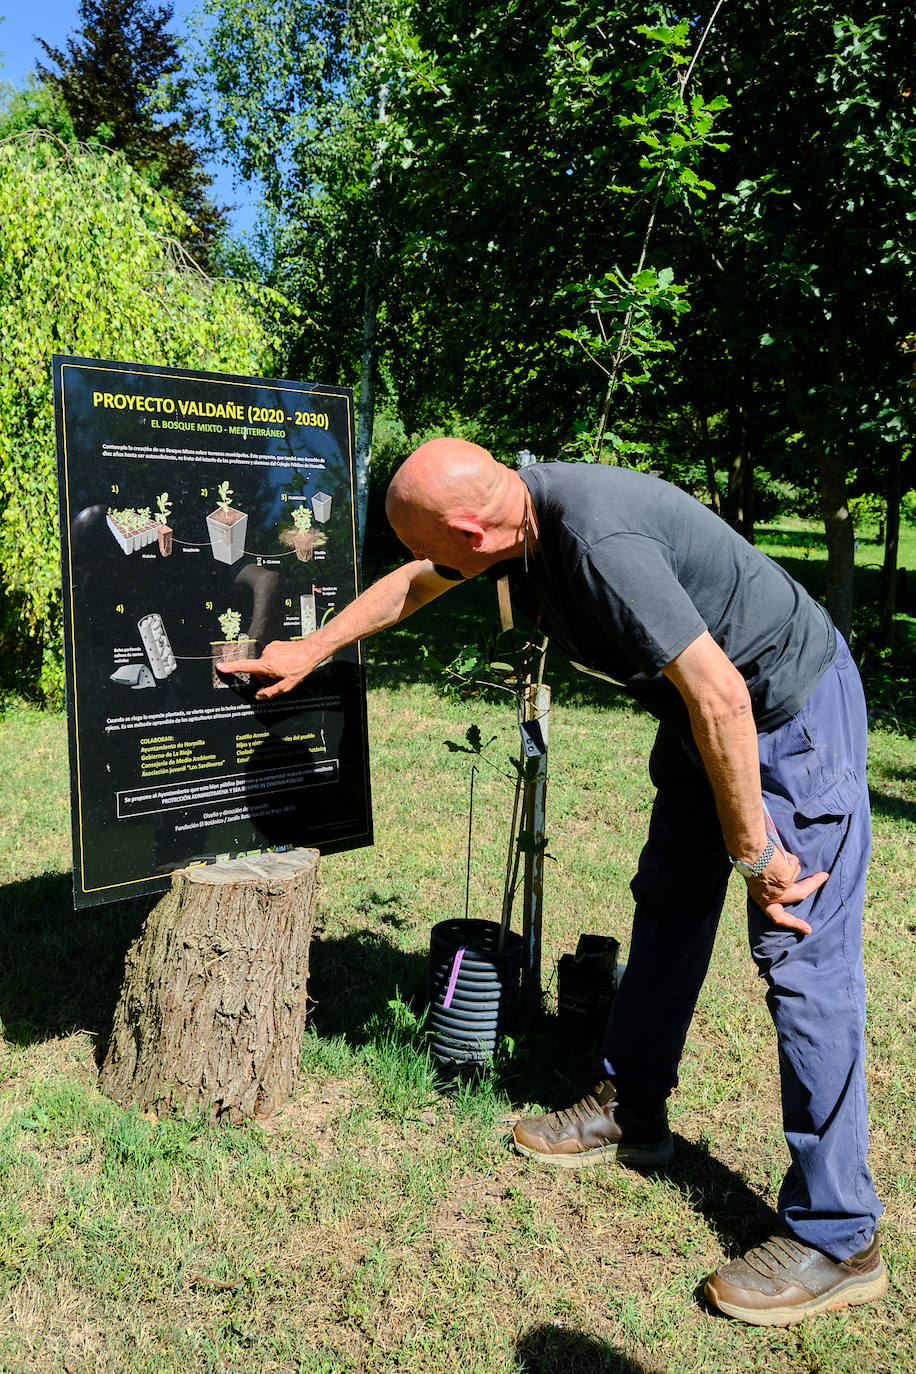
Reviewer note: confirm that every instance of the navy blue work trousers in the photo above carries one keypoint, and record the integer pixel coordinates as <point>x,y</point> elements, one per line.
<point>813,781</point>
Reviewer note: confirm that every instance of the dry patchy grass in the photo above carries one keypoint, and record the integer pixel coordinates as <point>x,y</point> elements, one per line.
<point>379,1222</point>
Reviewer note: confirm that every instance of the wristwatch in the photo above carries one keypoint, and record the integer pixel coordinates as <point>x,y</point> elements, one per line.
<point>754,870</point>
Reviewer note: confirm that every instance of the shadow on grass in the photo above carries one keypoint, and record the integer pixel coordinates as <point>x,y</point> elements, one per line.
<point>554,1350</point>
<point>60,970</point>
<point>775,536</point>
<point>734,1211</point>
<point>352,980</point>
<point>539,1071</point>
<point>891,807</point>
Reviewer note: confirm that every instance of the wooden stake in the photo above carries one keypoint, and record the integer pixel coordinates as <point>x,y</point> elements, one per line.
<point>537,707</point>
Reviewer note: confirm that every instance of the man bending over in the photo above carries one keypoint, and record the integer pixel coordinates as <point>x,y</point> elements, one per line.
<point>758,765</point>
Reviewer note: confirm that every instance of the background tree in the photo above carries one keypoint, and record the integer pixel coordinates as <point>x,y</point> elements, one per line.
<point>34,106</point>
<point>525,153</point>
<point>538,142</point>
<point>799,264</point>
<point>120,78</point>
<point>295,97</point>
<point>449,171</point>
<point>89,265</point>
<point>803,275</point>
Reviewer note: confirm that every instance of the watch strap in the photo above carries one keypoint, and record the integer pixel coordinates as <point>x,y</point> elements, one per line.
<point>755,869</point>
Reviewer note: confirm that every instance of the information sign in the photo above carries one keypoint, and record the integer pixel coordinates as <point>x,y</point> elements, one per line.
<point>202,516</point>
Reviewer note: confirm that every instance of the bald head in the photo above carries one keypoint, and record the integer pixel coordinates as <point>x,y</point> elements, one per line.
<point>443,478</point>
<point>453,494</point>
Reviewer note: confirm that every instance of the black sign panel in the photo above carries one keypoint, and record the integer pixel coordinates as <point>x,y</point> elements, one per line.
<point>203,515</point>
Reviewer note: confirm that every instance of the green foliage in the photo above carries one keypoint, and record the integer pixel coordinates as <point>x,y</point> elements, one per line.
<point>302,519</point>
<point>533,135</point>
<point>89,266</point>
<point>525,155</point>
<point>230,622</point>
<point>224,494</point>
<point>34,107</point>
<point>817,209</point>
<point>291,94</point>
<point>120,81</point>
<point>629,339</point>
<point>537,142</point>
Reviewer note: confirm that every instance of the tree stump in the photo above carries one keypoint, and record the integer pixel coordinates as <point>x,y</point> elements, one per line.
<point>211,1015</point>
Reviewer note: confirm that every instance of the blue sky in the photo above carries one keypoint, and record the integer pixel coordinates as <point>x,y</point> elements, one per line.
<point>54,20</point>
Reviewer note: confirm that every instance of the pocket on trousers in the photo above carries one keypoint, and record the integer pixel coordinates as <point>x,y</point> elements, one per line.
<point>837,796</point>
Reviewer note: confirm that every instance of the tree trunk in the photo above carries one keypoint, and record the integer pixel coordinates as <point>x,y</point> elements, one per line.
<point>212,1010</point>
<point>891,543</point>
<point>838,528</point>
<point>365,413</point>
<point>712,485</point>
<point>740,499</point>
<point>840,536</point>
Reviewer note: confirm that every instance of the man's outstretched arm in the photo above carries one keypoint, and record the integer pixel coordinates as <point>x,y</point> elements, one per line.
<point>386,602</point>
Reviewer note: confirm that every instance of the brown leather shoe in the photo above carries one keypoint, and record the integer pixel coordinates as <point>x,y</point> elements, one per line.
<point>782,1281</point>
<point>596,1128</point>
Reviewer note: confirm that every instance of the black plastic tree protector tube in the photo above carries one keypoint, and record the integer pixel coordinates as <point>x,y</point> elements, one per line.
<point>473,989</point>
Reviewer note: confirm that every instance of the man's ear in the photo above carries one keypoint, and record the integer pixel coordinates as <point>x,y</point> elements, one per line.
<point>469,530</point>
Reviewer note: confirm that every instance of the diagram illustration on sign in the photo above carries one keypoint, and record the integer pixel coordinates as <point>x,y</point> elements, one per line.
<point>202,516</point>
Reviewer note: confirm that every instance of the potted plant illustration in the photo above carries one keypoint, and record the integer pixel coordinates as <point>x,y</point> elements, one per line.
<point>227,527</point>
<point>164,530</point>
<point>304,537</point>
<point>132,529</point>
<point>308,614</point>
<point>231,647</point>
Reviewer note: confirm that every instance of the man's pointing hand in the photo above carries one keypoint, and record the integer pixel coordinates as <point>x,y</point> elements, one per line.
<point>286,661</point>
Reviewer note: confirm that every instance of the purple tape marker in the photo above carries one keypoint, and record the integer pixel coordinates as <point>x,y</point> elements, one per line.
<point>453,977</point>
<point>773,833</point>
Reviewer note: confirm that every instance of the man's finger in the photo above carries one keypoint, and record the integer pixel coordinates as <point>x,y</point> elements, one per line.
<point>780,917</point>
<point>799,891</point>
<point>246,665</point>
<point>796,893</point>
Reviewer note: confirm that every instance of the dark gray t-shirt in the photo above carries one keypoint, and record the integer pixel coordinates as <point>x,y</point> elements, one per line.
<point>629,570</point>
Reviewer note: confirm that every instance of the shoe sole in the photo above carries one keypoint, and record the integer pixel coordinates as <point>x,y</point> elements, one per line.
<point>853,1291</point>
<point>634,1156</point>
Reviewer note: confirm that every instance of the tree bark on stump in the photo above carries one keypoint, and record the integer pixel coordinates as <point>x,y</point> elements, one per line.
<point>212,1011</point>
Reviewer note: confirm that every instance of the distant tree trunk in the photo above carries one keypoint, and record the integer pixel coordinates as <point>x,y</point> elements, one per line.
<point>369,360</point>
<point>894,495</point>
<point>739,502</point>
<point>712,485</point>
<point>212,1011</point>
<point>838,528</point>
<point>840,536</point>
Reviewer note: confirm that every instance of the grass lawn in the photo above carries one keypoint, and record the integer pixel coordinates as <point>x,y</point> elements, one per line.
<point>379,1223</point>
